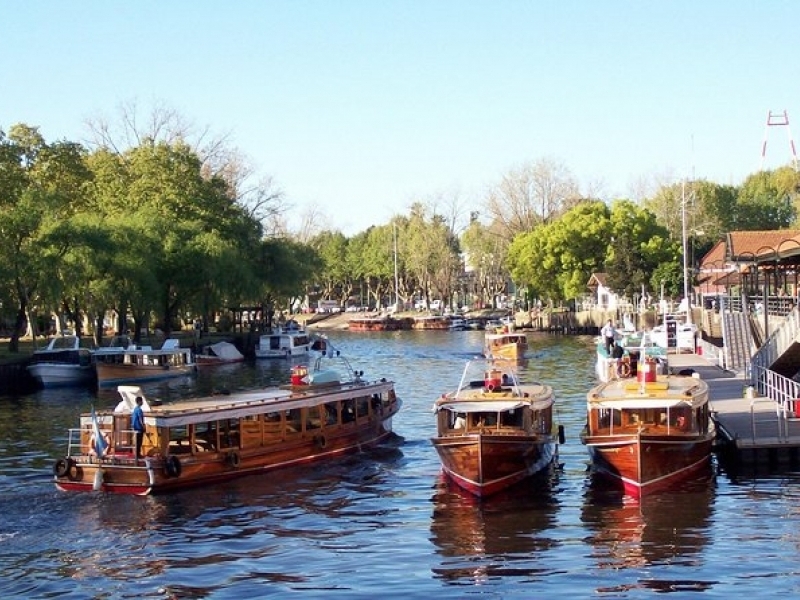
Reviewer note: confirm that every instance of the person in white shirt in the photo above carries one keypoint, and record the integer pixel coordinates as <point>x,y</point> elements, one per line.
<point>609,333</point>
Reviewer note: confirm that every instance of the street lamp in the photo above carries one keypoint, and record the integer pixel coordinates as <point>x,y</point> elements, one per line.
<point>685,255</point>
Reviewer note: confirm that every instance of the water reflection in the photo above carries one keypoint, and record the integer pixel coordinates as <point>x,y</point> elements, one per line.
<point>502,536</point>
<point>666,528</point>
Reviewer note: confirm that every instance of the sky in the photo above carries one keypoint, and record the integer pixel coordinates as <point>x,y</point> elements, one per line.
<point>359,108</point>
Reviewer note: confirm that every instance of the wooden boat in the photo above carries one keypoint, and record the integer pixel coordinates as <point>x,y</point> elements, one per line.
<point>503,342</point>
<point>649,432</point>
<point>143,363</point>
<point>62,362</point>
<point>221,353</point>
<point>372,324</point>
<point>207,440</point>
<point>431,322</point>
<point>494,431</point>
<point>286,341</point>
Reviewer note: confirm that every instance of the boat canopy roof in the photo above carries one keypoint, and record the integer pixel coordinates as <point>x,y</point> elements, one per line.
<point>235,406</point>
<point>225,350</point>
<point>638,404</point>
<point>482,406</point>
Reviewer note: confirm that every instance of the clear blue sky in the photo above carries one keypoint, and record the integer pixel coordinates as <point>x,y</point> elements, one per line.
<point>360,107</point>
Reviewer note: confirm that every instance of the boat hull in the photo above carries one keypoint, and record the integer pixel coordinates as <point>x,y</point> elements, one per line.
<point>230,436</point>
<point>113,374</point>
<point>514,351</point>
<point>61,375</point>
<point>641,464</point>
<point>122,475</point>
<point>486,464</point>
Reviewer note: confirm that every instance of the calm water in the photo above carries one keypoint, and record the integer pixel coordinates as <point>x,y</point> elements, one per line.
<point>384,523</point>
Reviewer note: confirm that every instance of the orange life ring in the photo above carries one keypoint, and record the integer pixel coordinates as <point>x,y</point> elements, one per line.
<point>624,369</point>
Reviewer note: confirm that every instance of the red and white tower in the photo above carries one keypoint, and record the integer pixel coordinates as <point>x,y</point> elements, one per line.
<point>778,119</point>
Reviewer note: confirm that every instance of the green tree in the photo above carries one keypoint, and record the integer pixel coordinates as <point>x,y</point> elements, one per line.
<point>40,189</point>
<point>639,245</point>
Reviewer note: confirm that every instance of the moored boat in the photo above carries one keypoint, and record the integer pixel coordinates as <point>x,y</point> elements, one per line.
<point>649,432</point>
<point>494,431</point>
<point>380,323</point>
<point>206,440</point>
<point>431,322</point>
<point>221,353</point>
<point>284,341</point>
<point>62,362</point>
<point>143,363</point>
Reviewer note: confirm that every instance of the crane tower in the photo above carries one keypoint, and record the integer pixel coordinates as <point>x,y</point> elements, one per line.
<point>778,119</point>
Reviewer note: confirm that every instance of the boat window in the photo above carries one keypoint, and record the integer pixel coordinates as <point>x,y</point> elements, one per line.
<point>348,410</point>
<point>229,435</point>
<point>607,416</point>
<point>511,418</point>
<point>273,430</point>
<point>205,435</point>
<point>312,418</point>
<point>331,413</point>
<point>294,423</point>
<point>487,419</point>
<point>362,406</point>
<point>457,420</point>
<point>251,430</point>
<point>180,441</point>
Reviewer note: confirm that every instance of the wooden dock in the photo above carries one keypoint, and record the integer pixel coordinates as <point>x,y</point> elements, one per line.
<point>750,431</point>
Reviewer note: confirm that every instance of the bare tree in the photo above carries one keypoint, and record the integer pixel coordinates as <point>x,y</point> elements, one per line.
<point>262,198</point>
<point>531,195</point>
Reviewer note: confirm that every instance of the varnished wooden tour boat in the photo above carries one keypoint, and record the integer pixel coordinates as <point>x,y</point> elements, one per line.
<point>431,323</point>
<point>505,343</point>
<point>143,363</point>
<point>207,440</point>
<point>494,431</point>
<point>649,432</point>
<point>386,323</point>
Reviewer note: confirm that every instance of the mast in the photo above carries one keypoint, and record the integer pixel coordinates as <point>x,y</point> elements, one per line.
<point>396,293</point>
<point>685,257</point>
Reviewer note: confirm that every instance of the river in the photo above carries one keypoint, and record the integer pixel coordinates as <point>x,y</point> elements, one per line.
<point>384,523</point>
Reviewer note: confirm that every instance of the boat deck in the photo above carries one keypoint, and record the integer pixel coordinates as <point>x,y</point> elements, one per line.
<point>751,430</point>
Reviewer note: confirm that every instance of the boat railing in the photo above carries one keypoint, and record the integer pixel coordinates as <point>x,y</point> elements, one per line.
<point>121,444</point>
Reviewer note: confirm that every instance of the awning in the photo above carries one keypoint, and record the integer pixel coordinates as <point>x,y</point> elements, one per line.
<point>483,406</point>
<point>637,403</point>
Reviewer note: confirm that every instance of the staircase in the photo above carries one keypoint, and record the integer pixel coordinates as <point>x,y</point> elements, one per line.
<point>738,340</point>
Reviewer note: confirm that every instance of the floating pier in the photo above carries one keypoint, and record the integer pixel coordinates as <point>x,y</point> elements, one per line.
<point>752,431</point>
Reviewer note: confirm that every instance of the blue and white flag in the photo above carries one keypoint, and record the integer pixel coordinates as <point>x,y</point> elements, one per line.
<point>100,444</point>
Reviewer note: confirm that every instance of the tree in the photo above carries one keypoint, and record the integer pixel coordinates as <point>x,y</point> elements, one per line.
<point>639,245</point>
<point>40,190</point>
<point>531,195</point>
<point>556,260</point>
<point>767,200</point>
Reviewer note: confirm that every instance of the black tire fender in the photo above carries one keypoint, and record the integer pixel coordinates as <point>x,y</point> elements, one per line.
<point>172,466</point>
<point>63,467</point>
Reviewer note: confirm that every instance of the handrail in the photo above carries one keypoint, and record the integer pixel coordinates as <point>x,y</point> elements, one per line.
<point>783,391</point>
<point>755,401</point>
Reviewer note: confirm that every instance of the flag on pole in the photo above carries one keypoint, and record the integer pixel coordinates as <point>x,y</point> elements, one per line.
<point>100,445</point>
